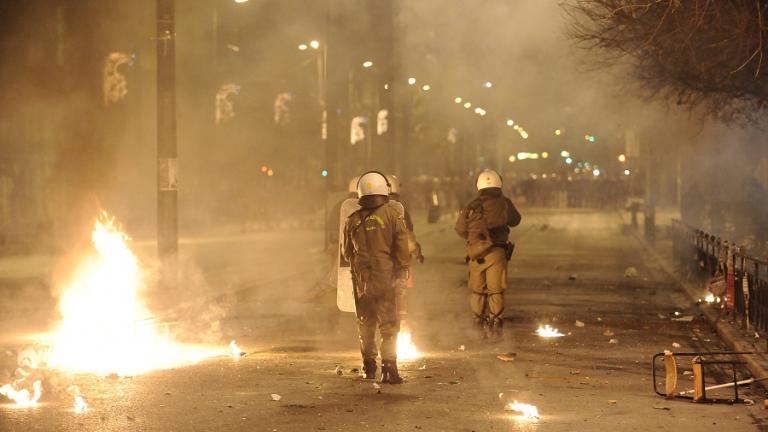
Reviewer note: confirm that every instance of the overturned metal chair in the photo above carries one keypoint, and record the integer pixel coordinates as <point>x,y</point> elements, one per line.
<point>699,362</point>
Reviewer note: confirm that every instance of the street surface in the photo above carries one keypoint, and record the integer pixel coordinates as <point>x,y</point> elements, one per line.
<point>568,266</point>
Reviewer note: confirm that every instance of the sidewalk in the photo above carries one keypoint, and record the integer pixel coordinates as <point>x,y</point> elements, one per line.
<point>737,339</point>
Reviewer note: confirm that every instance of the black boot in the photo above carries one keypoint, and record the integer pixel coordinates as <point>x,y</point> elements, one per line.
<point>369,368</point>
<point>497,330</point>
<point>480,325</point>
<point>389,373</point>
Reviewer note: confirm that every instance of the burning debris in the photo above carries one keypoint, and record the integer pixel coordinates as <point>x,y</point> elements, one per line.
<point>406,350</point>
<point>27,388</point>
<point>105,326</point>
<point>19,392</point>
<point>527,411</point>
<point>80,405</point>
<point>235,350</point>
<point>548,332</point>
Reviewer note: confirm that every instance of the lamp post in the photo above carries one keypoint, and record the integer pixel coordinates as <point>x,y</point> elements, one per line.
<point>167,162</point>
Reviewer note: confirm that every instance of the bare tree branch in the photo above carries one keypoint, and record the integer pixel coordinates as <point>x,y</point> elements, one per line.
<point>705,54</point>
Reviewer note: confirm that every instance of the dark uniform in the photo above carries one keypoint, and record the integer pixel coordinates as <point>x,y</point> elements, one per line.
<point>488,274</point>
<point>376,244</point>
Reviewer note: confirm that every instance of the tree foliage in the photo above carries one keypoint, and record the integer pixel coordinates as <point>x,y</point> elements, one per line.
<point>703,54</point>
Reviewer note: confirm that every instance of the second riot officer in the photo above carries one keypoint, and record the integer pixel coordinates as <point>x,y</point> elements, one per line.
<point>376,245</point>
<point>485,223</point>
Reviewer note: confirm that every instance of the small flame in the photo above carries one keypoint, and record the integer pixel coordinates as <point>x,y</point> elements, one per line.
<point>23,397</point>
<point>235,350</point>
<point>548,331</point>
<point>528,411</point>
<point>710,298</point>
<point>80,405</point>
<point>406,350</point>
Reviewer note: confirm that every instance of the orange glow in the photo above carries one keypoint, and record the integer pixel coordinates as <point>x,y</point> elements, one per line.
<point>105,326</point>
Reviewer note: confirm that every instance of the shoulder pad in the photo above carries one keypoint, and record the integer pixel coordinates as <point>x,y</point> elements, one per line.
<point>395,205</point>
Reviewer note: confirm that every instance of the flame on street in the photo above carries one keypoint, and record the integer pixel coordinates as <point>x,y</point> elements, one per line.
<point>235,350</point>
<point>21,395</point>
<point>528,411</point>
<point>406,350</point>
<point>80,405</point>
<point>105,326</point>
<point>548,331</point>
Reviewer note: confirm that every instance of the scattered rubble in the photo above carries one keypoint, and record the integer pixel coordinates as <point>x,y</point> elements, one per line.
<point>579,324</point>
<point>507,357</point>
<point>275,397</point>
<point>630,272</point>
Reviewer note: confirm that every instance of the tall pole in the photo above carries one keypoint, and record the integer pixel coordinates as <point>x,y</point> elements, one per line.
<point>167,163</point>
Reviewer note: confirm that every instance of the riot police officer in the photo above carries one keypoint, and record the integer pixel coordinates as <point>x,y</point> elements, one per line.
<point>376,245</point>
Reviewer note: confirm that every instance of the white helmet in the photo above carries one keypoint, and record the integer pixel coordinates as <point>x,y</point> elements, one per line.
<point>488,179</point>
<point>394,183</point>
<point>372,183</point>
<point>352,188</point>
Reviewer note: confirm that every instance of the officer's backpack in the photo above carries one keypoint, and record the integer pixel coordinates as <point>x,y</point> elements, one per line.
<point>478,237</point>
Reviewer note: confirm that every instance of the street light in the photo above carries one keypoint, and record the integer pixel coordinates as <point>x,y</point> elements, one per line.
<point>467,105</point>
<point>314,44</point>
<point>622,158</point>
<point>303,47</point>
<point>426,87</point>
<point>411,81</point>
<point>241,1</point>
<point>510,122</point>
<point>488,84</point>
<point>457,100</point>
<point>558,132</point>
<point>367,64</point>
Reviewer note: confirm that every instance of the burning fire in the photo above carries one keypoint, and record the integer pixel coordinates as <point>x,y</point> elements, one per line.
<point>23,397</point>
<point>548,332</point>
<point>528,411</point>
<point>106,327</point>
<point>710,298</point>
<point>80,405</point>
<point>235,350</point>
<point>406,350</point>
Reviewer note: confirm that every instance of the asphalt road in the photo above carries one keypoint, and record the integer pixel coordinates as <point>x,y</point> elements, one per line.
<point>568,267</point>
